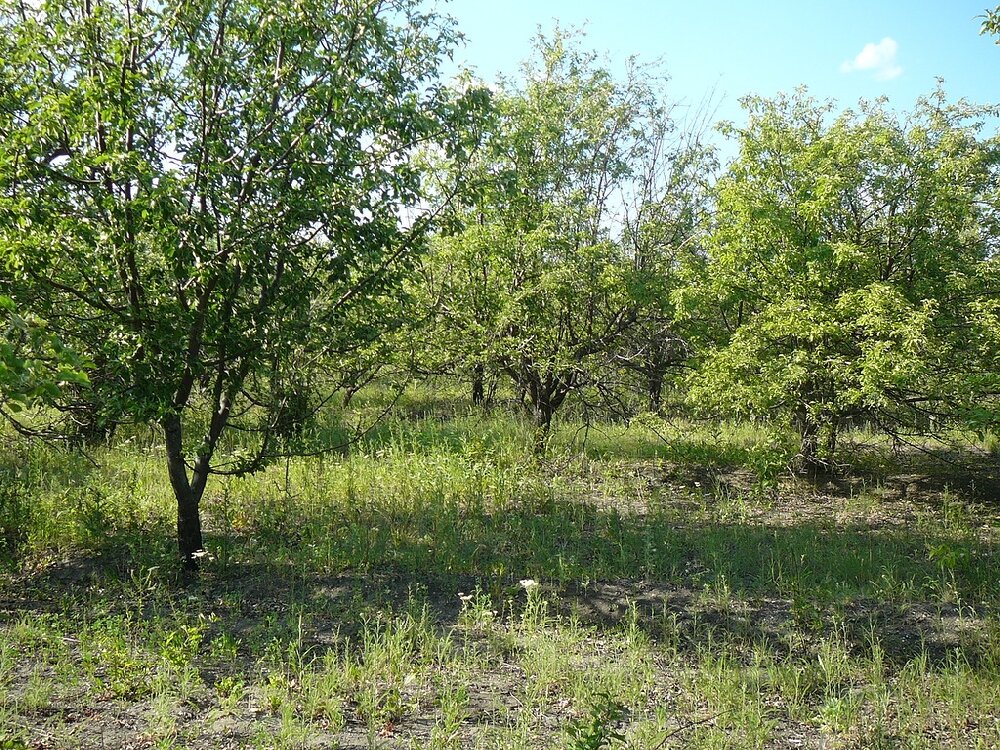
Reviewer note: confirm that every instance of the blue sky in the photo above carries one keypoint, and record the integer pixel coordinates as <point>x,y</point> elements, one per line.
<point>844,50</point>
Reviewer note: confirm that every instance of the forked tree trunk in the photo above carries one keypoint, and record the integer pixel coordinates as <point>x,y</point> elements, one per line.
<point>546,398</point>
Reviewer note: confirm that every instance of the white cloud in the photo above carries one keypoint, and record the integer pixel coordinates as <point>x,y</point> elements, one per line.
<point>879,59</point>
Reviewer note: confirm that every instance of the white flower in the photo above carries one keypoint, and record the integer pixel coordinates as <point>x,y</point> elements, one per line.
<point>465,598</point>
<point>528,583</point>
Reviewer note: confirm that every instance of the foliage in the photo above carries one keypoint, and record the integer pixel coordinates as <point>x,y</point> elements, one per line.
<point>848,257</point>
<point>664,239</point>
<point>534,283</point>
<point>991,23</point>
<point>211,212</point>
<point>598,730</point>
<point>34,364</point>
<point>205,197</point>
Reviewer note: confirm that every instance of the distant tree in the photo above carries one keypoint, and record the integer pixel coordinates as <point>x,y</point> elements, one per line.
<point>534,283</point>
<point>664,239</point>
<point>462,293</point>
<point>205,196</point>
<point>455,289</point>
<point>848,255</point>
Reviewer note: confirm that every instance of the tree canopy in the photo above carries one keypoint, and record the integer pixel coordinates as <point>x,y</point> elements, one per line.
<point>190,191</point>
<point>845,253</point>
<point>538,283</point>
<point>216,213</point>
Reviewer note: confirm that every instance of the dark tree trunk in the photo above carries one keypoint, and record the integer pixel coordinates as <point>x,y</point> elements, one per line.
<point>831,440</point>
<point>542,413</point>
<point>808,458</point>
<point>546,398</point>
<point>348,396</point>
<point>479,385</point>
<point>189,539</point>
<point>654,389</point>
<point>522,394</point>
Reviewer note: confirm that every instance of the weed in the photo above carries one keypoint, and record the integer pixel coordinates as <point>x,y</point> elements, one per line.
<point>599,729</point>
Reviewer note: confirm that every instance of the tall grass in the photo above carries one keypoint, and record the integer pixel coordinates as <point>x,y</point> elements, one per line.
<point>691,594</point>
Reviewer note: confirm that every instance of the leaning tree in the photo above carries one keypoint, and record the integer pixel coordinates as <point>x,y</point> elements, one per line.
<point>204,196</point>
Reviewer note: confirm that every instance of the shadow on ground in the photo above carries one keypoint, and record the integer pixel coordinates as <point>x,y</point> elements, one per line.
<point>786,586</point>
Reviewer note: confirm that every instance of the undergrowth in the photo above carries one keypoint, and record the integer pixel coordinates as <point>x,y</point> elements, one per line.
<point>663,584</point>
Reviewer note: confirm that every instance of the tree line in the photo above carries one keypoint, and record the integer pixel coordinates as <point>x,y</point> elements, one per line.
<point>215,215</point>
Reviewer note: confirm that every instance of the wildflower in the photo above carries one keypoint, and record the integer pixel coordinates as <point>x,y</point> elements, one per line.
<point>528,583</point>
<point>465,598</point>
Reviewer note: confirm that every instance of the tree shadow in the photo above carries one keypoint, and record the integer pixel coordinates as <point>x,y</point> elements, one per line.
<point>687,580</point>
<point>911,470</point>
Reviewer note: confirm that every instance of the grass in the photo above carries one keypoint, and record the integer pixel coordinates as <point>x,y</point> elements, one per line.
<point>659,585</point>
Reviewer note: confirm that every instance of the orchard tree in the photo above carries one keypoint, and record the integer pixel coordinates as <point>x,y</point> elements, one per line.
<point>664,237</point>
<point>205,196</point>
<point>846,259</point>
<point>456,291</point>
<point>462,293</point>
<point>535,284</point>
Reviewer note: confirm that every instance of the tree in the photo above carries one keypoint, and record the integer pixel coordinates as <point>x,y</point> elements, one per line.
<point>535,284</point>
<point>191,191</point>
<point>664,237</point>
<point>846,256</point>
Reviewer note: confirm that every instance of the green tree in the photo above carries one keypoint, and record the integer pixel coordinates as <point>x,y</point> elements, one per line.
<point>847,254</point>
<point>664,238</point>
<point>536,284</point>
<point>205,195</point>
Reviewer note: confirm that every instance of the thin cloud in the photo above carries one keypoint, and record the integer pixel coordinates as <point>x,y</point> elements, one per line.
<point>879,59</point>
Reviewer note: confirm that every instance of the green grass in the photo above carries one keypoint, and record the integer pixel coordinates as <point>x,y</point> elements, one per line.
<point>690,594</point>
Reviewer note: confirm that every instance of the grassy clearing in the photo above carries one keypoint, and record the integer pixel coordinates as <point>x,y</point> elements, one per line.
<point>689,594</point>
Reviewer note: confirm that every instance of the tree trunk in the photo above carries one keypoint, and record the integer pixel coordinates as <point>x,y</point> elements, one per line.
<point>545,401</point>
<point>654,389</point>
<point>831,440</point>
<point>522,394</point>
<point>189,539</point>
<point>543,426</point>
<point>479,385</point>
<point>348,396</point>
<point>808,458</point>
